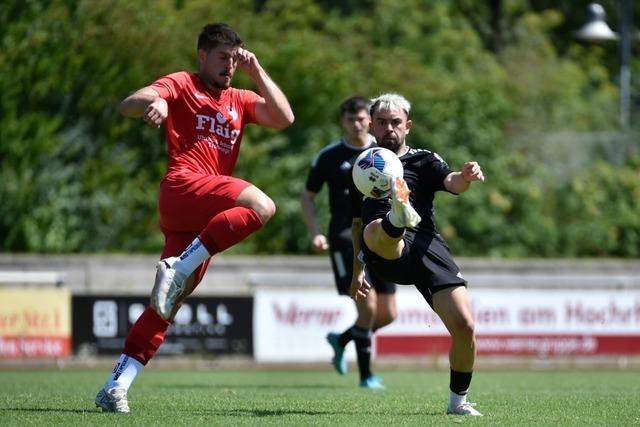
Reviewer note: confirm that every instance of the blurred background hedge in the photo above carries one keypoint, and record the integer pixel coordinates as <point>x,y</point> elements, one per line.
<point>501,82</point>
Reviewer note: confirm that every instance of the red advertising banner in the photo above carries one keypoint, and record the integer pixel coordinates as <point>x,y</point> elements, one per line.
<point>523,345</point>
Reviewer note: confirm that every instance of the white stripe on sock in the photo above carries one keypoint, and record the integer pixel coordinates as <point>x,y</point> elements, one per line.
<point>124,373</point>
<point>191,258</point>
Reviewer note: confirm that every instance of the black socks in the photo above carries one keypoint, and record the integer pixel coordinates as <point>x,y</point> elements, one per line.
<point>362,339</point>
<point>459,382</point>
<point>390,229</point>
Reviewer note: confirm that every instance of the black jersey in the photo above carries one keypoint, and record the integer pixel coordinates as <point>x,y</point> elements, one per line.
<point>333,165</point>
<point>424,172</point>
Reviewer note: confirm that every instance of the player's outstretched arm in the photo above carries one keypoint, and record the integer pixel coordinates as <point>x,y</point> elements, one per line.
<point>145,103</point>
<point>275,111</point>
<point>459,182</point>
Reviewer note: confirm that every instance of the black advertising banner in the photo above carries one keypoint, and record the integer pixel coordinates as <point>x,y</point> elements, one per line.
<point>204,325</point>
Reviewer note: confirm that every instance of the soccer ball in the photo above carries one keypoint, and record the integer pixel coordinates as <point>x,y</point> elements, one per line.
<point>374,171</point>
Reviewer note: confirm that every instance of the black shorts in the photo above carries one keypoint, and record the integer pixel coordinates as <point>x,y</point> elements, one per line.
<point>342,264</point>
<point>425,262</point>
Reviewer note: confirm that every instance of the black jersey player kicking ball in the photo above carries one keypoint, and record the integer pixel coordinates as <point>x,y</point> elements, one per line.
<point>400,243</point>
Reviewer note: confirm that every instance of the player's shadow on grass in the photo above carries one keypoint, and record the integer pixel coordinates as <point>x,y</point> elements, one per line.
<point>251,386</point>
<point>57,410</point>
<point>261,413</point>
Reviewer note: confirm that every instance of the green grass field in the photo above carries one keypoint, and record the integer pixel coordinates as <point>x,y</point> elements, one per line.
<point>233,398</point>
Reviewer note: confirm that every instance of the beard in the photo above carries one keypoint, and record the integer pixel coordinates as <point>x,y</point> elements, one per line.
<point>220,86</point>
<point>390,144</point>
<point>221,82</point>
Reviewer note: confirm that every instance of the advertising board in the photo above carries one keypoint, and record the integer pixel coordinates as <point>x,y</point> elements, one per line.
<point>211,325</point>
<point>291,325</point>
<point>35,322</point>
<point>523,322</point>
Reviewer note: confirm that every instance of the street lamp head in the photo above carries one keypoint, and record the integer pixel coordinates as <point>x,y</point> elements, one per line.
<point>596,28</point>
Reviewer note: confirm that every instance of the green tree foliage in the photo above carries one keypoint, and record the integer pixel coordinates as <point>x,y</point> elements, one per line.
<point>505,85</point>
<point>600,208</point>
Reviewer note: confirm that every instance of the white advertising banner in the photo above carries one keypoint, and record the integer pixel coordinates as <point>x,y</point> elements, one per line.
<point>507,311</point>
<point>525,321</point>
<point>292,325</point>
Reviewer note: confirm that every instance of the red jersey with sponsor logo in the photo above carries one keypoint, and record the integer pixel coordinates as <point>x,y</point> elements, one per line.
<point>204,127</point>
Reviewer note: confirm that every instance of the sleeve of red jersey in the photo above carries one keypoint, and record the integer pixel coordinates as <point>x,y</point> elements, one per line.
<point>168,87</point>
<point>249,100</point>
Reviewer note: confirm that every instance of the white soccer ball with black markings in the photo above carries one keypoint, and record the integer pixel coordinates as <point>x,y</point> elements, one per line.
<point>374,171</point>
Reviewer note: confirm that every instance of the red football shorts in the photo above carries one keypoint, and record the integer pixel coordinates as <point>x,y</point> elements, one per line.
<point>188,202</point>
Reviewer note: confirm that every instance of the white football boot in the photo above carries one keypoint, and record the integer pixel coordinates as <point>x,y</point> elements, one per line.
<point>113,400</point>
<point>464,408</point>
<point>402,213</point>
<point>168,287</point>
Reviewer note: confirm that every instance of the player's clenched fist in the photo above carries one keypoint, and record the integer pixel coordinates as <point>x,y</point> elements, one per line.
<point>471,171</point>
<point>156,113</point>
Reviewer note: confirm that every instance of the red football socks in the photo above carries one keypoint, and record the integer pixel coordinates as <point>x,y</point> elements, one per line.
<point>229,227</point>
<point>146,336</point>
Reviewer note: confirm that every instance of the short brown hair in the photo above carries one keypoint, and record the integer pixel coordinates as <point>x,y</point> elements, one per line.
<point>213,35</point>
<point>354,104</point>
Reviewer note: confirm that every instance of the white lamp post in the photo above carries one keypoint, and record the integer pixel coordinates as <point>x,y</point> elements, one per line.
<point>597,30</point>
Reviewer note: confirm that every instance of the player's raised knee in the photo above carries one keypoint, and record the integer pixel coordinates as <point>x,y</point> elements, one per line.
<point>265,208</point>
<point>254,198</point>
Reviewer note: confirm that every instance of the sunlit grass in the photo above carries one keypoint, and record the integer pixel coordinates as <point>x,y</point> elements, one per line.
<point>231,398</point>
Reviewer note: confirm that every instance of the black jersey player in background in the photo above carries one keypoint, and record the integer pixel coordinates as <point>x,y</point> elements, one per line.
<point>400,243</point>
<point>333,165</point>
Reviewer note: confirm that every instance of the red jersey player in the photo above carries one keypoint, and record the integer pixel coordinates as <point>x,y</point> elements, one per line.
<point>203,209</point>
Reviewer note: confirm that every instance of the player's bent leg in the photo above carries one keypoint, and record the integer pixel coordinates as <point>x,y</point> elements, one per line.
<point>379,242</point>
<point>384,236</point>
<point>229,228</point>
<point>170,285</point>
<point>254,198</point>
